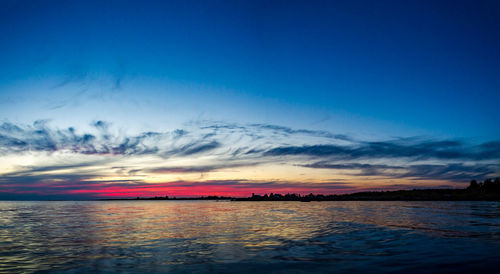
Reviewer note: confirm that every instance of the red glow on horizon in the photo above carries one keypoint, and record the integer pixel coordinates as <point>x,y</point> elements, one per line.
<point>195,190</point>
<point>184,189</point>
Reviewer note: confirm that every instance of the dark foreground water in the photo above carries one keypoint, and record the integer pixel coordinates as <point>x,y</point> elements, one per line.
<point>239,237</point>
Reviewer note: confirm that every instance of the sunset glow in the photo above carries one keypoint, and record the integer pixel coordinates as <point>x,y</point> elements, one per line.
<point>187,100</point>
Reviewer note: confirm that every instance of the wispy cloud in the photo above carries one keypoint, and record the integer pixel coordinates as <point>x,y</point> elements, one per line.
<point>196,148</point>
<point>112,158</point>
<point>200,168</point>
<point>289,131</point>
<point>415,149</point>
<point>41,137</point>
<point>448,171</point>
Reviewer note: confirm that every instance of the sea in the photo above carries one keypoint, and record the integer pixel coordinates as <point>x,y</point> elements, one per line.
<point>249,237</point>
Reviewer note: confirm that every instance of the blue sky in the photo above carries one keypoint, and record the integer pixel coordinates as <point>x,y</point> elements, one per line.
<point>370,70</point>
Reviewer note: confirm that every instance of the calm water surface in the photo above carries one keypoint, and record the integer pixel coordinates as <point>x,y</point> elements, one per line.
<point>279,237</point>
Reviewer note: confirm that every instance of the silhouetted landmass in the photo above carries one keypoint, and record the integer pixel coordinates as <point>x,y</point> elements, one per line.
<point>175,198</point>
<point>488,190</point>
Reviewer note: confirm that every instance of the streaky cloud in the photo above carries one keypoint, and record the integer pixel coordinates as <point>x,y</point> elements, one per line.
<point>105,159</point>
<point>200,168</point>
<point>423,149</point>
<point>39,137</point>
<point>194,148</point>
<point>448,171</point>
<point>290,131</point>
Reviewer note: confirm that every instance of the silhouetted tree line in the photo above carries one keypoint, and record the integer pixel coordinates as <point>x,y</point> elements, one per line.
<point>183,198</point>
<point>487,186</point>
<point>488,190</point>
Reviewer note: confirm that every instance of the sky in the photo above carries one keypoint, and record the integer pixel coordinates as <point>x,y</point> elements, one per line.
<point>104,99</point>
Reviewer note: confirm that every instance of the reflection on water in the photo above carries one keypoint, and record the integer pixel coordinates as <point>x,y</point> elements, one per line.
<point>210,236</point>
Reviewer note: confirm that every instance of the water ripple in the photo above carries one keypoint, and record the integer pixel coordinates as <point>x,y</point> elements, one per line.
<point>205,236</point>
